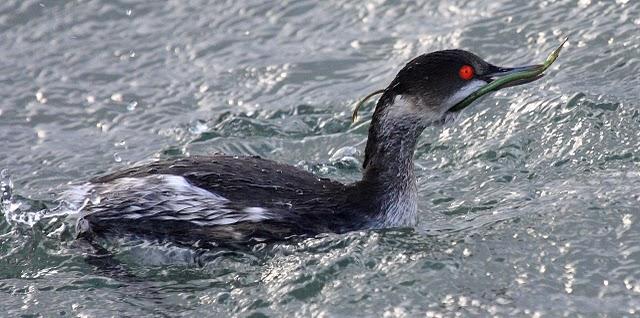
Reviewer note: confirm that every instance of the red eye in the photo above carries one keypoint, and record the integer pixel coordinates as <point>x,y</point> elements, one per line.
<point>466,72</point>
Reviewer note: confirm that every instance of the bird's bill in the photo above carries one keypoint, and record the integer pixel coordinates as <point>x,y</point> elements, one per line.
<point>514,76</point>
<point>501,77</point>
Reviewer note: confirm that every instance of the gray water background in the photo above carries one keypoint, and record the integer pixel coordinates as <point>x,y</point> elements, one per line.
<point>529,204</point>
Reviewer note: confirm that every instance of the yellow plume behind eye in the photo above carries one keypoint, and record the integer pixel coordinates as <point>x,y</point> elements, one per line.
<point>354,117</point>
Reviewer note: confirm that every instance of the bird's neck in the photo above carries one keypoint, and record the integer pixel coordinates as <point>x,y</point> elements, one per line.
<point>388,167</point>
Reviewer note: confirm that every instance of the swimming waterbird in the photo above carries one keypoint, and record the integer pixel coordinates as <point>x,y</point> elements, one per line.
<point>223,199</point>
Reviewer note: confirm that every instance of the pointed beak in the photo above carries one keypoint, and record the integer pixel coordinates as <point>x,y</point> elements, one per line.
<point>514,75</point>
<point>501,77</point>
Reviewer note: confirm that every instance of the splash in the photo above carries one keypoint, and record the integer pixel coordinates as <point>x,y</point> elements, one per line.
<point>18,210</point>
<point>7,205</point>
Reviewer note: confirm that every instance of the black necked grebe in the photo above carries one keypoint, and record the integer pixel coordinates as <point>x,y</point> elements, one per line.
<point>219,199</point>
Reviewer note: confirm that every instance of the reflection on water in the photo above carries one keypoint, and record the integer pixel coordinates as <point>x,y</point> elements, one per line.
<point>528,203</point>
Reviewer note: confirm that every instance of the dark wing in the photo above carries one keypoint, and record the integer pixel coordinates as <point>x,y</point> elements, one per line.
<point>251,180</point>
<point>215,199</point>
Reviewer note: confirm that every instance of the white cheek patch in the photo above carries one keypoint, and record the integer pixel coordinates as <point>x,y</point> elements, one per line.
<point>403,107</point>
<point>463,92</point>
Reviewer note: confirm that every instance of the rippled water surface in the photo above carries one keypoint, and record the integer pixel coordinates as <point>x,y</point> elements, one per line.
<point>529,204</point>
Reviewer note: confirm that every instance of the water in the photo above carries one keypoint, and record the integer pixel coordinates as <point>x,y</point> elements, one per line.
<point>528,204</point>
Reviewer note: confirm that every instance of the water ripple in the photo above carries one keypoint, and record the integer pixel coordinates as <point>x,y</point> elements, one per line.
<point>528,204</point>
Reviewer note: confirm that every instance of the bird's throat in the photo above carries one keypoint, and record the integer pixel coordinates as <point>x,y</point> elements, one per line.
<point>388,167</point>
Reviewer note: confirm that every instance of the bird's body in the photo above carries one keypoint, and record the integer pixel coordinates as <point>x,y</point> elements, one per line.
<point>217,200</point>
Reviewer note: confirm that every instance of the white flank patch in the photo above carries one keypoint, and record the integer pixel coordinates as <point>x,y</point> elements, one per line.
<point>159,197</point>
<point>255,214</point>
<point>181,185</point>
<point>76,195</point>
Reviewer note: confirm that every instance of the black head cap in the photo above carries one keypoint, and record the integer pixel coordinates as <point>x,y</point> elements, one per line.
<point>443,78</point>
<point>436,82</point>
<point>435,86</point>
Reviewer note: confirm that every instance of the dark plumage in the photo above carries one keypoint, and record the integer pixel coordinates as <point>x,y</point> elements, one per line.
<point>301,203</point>
<point>218,200</point>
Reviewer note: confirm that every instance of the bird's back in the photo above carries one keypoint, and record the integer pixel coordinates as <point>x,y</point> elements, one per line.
<point>214,199</point>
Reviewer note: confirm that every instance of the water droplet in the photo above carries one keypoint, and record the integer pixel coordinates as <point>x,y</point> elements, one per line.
<point>117,157</point>
<point>40,97</point>
<point>41,133</point>
<point>117,97</point>
<point>94,197</point>
<point>199,127</point>
<point>6,186</point>
<point>132,106</point>
<point>103,126</point>
<point>466,252</point>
